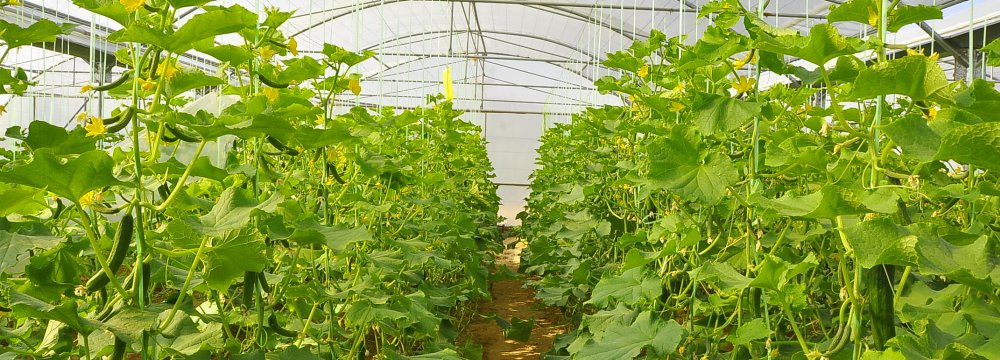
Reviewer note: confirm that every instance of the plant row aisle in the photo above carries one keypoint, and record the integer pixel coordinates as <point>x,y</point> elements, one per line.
<point>268,225</point>
<point>849,214</point>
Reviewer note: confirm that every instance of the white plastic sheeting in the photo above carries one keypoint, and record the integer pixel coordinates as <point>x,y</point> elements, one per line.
<point>516,64</point>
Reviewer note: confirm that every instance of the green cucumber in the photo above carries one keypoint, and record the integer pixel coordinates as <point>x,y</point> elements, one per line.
<point>120,347</point>
<point>272,322</point>
<point>271,83</point>
<point>278,145</point>
<point>125,76</point>
<point>249,286</point>
<point>123,239</point>
<point>336,175</point>
<point>180,134</point>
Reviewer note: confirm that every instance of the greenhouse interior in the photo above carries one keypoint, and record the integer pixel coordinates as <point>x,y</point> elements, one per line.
<point>499,179</point>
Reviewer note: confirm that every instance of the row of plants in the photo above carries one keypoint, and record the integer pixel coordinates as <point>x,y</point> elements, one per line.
<point>264,224</point>
<point>851,213</point>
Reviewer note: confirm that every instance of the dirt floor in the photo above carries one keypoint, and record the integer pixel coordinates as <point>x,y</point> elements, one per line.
<point>511,299</point>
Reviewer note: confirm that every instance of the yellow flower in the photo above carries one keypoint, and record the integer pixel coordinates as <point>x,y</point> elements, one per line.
<point>3,109</point>
<point>266,53</point>
<point>320,120</point>
<point>13,2</point>
<point>86,88</point>
<point>679,88</point>
<point>355,86</point>
<point>90,198</point>
<point>270,93</point>
<point>677,106</point>
<point>147,85</point>
<point>744,84</point>
<point>932,114</point>
<point>293,46</point>
<point>167,70</point>
<point>82,117</point>
<point>934,56</point>
<point>873,16</point>
<point>132,5</point>
<point>643,71</point>
<point>95,127</point>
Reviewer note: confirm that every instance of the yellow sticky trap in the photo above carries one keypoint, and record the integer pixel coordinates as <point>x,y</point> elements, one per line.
<point>449,90</point>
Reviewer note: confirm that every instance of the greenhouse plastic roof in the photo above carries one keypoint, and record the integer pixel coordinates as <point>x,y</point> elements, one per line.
<point>518,66</point>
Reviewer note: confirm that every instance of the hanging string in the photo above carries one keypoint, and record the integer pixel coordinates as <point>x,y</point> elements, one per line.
<point>970,70</point>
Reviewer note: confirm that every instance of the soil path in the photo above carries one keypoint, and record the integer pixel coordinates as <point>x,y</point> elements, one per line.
<point>511,299</point>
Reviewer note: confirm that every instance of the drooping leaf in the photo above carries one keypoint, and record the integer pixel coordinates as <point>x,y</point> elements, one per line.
<point>829,202</point>
<point>721,274</point>
<point>67,177</point>
<point>112,9</point>
<point>880,241</point>
<point>917,140</point>
<point>187,79</point>
<point>630,287</point>
<point>129,324</point>
<point>21,200</point>
<point>205,25</point>
<point>66,312</point>
<point>756,329</point>
<point>823,44</point>
<point>715,114</point>
<point>231,255</point>
<point>233,211</point>
<point>977,145</point>
<point>682,163</point>
<point>43,30</point>
<point>43,135</point>
<point>981,99</point>
<point>14,249</point>
<point>915,76</point>
<point>626,341</point>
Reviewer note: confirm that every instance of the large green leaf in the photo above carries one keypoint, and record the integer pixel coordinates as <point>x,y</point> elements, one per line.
<point>187,79</point>
<point>43,135</point>
<point>829,202</point>
<point>25,306</point>
<point>917,140</point>
<point>918,77</point>
<point>15,249</point>
<point>682,163</point>
<point>43,30</point>
<point>626,341</point>
<point>721,274</point>
<point>112,9</point>
<point>756,329</point>
<point>865,11</point>
<point>67,177</point>
<point>977,145</point>
<point>981,99</point>
<point>880,241</point>
<point>823,44</point>
<point>972,264</point>
<point>631,287</point>
<point>205,25</point>
<point>20,200</point>
<point>721,114</point>
<point>129,323</point>
<point>233,211</point>
<point>231,255</point>
<point>337,238</point>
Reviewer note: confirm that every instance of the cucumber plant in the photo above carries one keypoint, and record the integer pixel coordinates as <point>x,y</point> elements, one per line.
<point>850,212</point>
<point>311,232</point>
